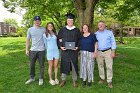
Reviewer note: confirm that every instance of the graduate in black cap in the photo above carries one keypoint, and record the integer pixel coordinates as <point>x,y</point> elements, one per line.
<point>69,37</point>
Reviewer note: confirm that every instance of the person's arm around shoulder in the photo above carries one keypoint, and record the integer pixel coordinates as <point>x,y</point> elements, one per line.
<point>45,40</point>
<point>79,37</point>
<point>60,39</point>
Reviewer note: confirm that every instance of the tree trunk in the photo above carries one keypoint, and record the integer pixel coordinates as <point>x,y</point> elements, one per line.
<point>121,35</point>
<point>85,9</point>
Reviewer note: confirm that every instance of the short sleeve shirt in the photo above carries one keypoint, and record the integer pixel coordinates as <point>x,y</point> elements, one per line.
<point>88,43</point>
<point>36,35</point>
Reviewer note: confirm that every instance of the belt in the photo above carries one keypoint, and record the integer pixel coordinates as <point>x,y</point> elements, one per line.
<point>105,50</point>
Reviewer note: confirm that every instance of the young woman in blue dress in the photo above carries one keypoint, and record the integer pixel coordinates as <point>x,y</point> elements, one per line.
<point>50,40</point>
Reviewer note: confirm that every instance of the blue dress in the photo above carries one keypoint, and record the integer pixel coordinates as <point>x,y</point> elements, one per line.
<point>51,47</point>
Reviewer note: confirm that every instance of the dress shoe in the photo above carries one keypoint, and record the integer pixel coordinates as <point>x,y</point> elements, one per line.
<point>75,84</point>
<point>101,81</point>
<point>63,82</point>
<point>110,85</point>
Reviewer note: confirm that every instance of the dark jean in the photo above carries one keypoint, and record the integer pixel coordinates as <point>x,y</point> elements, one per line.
<point>34,55</point>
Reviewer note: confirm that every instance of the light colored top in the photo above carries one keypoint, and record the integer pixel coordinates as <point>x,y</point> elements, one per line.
<point>36,35</point>
<point>105,40</point>
<point>50,42</point>
<point>51,46</point>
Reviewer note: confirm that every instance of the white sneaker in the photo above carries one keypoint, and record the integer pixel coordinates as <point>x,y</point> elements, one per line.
<point>52,82</point>
<point>30,81</point>
<point>56,81</point>
<point>40,82</point>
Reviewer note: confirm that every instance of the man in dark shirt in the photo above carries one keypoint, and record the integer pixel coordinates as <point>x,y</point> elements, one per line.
<point>69,57</point>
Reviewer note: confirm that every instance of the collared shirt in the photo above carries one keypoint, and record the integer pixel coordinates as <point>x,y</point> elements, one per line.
<point>36,34</point>
<point>105,39</point>
<point>70,28</point>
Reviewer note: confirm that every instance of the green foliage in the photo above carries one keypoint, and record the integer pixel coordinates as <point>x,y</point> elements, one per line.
<point>49,10</point>
<point>12,34</point>
<point>124,12</point>
<point>21,31</point>
<point>131,41</point>
<point>11,21</point>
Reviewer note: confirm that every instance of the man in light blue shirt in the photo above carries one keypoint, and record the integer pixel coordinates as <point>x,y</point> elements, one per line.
<point>106,52</point>
<point>35,34</point>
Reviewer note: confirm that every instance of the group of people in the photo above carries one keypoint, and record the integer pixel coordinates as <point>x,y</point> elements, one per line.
<point>100,46</point>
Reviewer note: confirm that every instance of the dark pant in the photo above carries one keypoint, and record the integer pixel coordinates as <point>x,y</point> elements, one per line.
<point>74,74</point>
<point>34,55</point>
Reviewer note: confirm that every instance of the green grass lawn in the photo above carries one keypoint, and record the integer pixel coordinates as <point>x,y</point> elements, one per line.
<point>14,71</point>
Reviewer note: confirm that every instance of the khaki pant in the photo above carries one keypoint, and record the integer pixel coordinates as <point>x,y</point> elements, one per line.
<point>105,57</point>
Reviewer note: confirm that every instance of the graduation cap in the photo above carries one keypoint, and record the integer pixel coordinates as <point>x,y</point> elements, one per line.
<point>70,16</point>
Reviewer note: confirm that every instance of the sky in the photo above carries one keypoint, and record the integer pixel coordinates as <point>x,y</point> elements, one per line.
<point>6,14</point>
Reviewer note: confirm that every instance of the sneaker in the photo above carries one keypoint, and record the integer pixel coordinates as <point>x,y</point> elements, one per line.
<point>30,81</point>
<point>56,81</point>
<point>63,82</point>
<point>52,82</point>
<point>40,82</point>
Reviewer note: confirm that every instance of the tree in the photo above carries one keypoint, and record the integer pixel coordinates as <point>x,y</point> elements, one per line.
<point>21,31</point>
<point>122,12</point>
<point>125,10</point>
<point>86,8</point>
<point>11,21</point>
<point>85,11</point>
<point>56,9</point>
<point>52,10</point>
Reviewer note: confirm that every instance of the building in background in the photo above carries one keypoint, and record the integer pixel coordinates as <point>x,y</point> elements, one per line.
<point>6,28</point>
<point>126,30</point>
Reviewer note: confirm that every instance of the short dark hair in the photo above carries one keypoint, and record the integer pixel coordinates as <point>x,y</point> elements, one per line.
<point>101,21</point>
